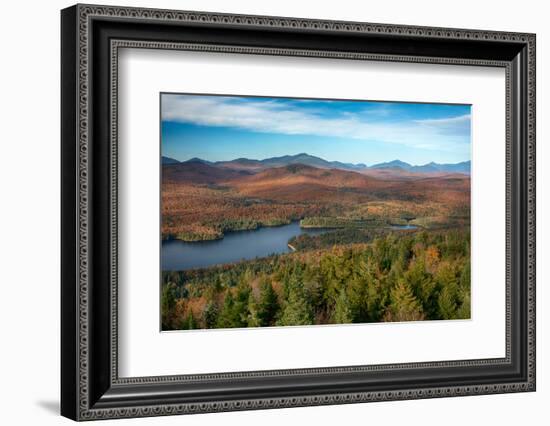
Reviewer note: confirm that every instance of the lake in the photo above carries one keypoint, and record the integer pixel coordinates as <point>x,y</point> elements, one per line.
<point>235,246</point>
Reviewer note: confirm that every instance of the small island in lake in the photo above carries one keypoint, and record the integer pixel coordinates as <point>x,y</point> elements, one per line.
<point>301,239</point>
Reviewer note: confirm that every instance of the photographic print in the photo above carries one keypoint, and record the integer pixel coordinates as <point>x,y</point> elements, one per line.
<point>299,212</point>
<point>205,205</point>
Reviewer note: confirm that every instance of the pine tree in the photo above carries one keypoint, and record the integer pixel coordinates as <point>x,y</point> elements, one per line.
<point>226,317</point>
<point>423,286</point>
<point>235,312</point>
<point>403,305</point>
<point>268,305</point>
<point>358,299</point>
<point>447,302</point>
<point>342,311</point>
<point>241,311</point>
<point>448,296</point>
<point>297,310</point>
<point>210,315</point>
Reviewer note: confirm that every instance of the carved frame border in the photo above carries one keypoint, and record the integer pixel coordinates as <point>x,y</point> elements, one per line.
<point>84,15</point>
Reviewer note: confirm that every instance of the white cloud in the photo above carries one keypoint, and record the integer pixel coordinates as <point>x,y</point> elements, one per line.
<point>450,125</point>
<point>280,116</point>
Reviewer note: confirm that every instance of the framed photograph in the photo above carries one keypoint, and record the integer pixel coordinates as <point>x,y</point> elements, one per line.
<point>263,212</point>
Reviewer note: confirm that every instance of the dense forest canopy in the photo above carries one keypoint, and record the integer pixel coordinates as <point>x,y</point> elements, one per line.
<point>396,276</point>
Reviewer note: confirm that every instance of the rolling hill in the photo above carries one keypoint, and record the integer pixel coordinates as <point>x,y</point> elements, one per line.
<point>301,182</point>
<point>201,201</point>
<point>198,172</point>
<point>295,181</point>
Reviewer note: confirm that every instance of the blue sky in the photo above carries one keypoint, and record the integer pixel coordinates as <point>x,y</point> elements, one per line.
<point>218,128</point>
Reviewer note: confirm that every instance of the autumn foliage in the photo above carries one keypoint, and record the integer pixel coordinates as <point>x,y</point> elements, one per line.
<point>361,271</point>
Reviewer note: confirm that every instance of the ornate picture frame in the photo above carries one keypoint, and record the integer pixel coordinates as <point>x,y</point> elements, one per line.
<point>91,37</point>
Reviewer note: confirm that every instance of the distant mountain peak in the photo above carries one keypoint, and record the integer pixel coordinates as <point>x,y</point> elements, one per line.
<point>393,163</point>
<point>310,160</point>
<point>198,160</point>
<point>168,160</point>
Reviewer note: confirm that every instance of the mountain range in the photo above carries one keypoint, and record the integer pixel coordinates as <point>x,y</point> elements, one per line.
<point>310,160</point>
<point>463,167</point>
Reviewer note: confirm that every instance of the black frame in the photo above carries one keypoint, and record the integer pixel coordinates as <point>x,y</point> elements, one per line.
<point>90,386</point>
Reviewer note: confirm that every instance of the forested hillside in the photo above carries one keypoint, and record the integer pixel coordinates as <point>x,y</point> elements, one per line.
<point>394,276</point>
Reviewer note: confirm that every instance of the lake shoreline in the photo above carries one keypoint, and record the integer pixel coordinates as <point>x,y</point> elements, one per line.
<point>231,231</point>
<point>395,226</point>
<point>177,254</point>
<point>236,245</point>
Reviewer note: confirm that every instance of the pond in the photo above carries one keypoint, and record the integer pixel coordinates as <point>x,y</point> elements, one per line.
<point>235,246</point>
<point>404,227</point>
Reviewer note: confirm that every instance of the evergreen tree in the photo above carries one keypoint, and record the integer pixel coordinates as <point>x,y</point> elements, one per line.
<point>268,305</point>
<point>403,305</point>
<point>378,296</point>
<point>241,307</point>
<point>253,320</point>
<point>447,302</point>
<point>358,299</point>
<point>210,315</point>
<point>358,290</point>
<point>342,311</point>
<point>448,295</point>
<point>297,310</point>
<point>235,312</point>
<point>423,286</point>
<point>227,317</point>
